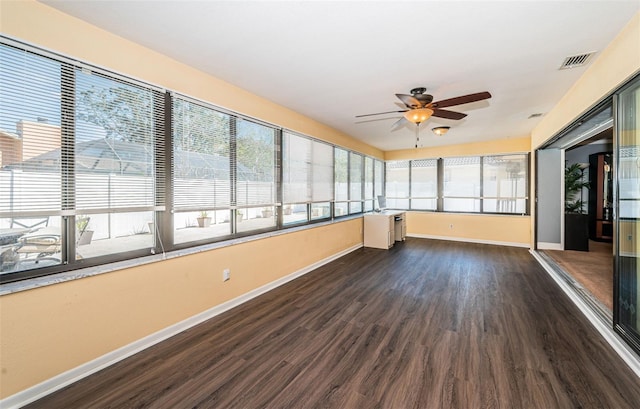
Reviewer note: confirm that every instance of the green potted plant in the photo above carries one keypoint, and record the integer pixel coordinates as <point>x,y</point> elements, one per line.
<point>576,222</point>
<point>204,220</point>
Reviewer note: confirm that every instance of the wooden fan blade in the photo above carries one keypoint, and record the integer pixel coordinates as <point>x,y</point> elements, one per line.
<point>381,113</point>
<point>443,113</point>
<point>409,101</point>
<point>465,99</point>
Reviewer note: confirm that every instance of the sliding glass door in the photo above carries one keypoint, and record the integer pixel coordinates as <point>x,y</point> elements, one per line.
<point>627,267</point>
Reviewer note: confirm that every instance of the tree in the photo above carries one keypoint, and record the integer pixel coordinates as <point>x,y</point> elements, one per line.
<point>125,113</point>
<point>255,150</point>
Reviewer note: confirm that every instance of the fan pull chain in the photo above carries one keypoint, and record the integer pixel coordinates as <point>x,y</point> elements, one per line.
<point>417,134</point>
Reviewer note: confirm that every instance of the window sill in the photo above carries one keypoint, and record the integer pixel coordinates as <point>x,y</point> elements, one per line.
<point>30,284</point>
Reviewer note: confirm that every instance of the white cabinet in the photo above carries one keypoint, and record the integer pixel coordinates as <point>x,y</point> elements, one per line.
<point>382,230</point>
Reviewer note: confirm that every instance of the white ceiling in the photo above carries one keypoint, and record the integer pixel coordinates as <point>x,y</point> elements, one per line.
<point>334,60</point>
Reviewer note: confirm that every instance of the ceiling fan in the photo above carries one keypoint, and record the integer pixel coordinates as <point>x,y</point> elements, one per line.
<point>420,106</point>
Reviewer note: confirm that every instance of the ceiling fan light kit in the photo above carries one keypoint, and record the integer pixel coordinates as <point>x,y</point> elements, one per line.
<point>418,115</point>
<point>441,130</point>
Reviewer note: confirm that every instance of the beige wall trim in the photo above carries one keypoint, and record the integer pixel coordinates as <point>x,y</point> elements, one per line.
<point>550,246</point>
<point>467,240</point>
<point>73,375</point>
<point>617,343</point>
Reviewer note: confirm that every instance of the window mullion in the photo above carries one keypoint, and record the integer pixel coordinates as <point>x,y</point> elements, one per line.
<point>67,160</point>
<point>481,184</point>
<point>233,171</point>
<point>165,176</point>
<point>440,185</point>
<point>279,177</point>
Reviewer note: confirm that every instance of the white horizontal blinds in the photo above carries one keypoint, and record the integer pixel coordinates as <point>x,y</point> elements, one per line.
<point>424,184</point>
<point>368,178</point>
<point>504,183</point>
<point>378,172</point>
<point>321,172</point>
<point>461,190</point>
<point>341,174</point>
<point>255,164</point>
<point>355,182</point>
<point>201,156</point>
<point>115,144</point>
<point>368,183</point>
<point>297,168</point>
<point>397,184</point>
<point>30,133</point>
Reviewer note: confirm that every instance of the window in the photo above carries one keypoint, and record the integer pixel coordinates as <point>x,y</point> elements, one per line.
<point>255,176</point>
<point>378,180</point>
<point>296,177</point>
<point>201,172</point>
<point>368,184</point>
<point>341,185</point>
<point>504,184</point>
<point>307,179</point>
<point>322,178</point>
<point>114,174</point>
<point>424,184</point>
<point>355,182</point>
<point>30,160</point>
<point>397,184</point>
<point>461,187</point>
<point>79,151</point>
<point>223,175</point>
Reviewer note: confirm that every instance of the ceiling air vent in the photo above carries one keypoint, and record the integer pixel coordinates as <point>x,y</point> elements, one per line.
<point>576,61</point>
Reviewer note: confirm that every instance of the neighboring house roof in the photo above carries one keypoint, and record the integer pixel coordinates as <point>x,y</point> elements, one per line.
<point>129,158</point>
<point>9,134</point>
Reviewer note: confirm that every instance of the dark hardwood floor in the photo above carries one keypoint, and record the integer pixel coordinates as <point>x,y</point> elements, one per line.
<point>427,324</point>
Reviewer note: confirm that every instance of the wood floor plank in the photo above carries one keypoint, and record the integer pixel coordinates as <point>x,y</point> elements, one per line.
<point>427,324</point>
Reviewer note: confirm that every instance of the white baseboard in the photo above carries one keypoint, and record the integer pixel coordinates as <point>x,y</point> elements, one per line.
<point>549,246</point>
<point>73,375</point>
<point>616,342</point>
<point>467,240</point>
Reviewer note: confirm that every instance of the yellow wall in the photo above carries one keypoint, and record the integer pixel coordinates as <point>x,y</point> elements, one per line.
<point>497,146</point>
<point>512,230</point>
<point>49,330</point>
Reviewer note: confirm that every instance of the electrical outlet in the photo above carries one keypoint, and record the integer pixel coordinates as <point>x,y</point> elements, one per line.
<point>226,274</point>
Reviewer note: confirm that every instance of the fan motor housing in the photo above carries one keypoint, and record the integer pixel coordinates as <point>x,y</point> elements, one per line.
<point>419,94</point>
